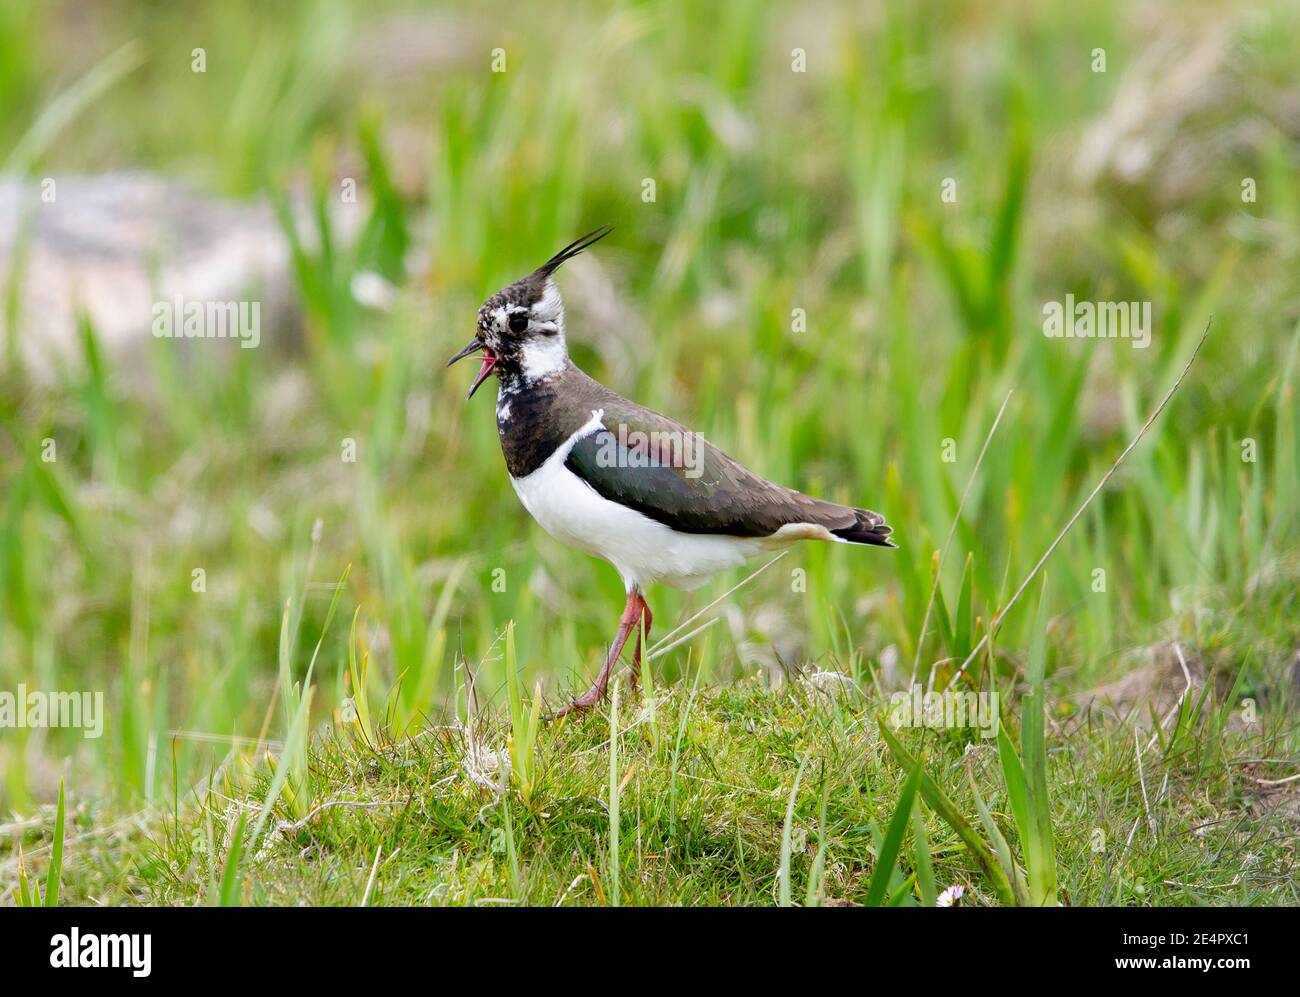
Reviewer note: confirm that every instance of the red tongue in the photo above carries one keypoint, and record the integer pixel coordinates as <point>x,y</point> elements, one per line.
<point>489,361</point>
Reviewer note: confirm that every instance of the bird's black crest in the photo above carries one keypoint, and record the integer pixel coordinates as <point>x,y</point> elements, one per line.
<point>573,249</point>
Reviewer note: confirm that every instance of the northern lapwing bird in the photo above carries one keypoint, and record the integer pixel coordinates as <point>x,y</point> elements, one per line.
<point>623,482</point>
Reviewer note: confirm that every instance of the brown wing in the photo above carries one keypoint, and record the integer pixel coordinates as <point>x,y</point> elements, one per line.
<point>651,463</point>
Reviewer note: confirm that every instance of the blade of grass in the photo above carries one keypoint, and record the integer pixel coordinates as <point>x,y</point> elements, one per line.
<point>816,892</point>
<point>924,864</point>
<point>1000,846</point>
<point>1013,774</point>
<point>55,871</point>
<point>229,894</point>
<point>26,893</point>
<point>939,802</point>
<point>677,755</point>
<point>1038,844</point>
<point>783,870</point>
<point>512,850</point>
<point>615,897</point>
<point>887,859</point>
<point>65,108</point>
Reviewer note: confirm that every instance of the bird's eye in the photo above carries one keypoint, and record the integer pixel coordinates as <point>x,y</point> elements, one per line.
<point>518,322</point>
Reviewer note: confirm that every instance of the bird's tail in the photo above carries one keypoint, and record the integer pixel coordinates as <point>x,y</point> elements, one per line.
<point>868,528</point>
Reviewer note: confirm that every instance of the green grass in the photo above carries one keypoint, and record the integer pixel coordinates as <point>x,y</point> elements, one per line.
<point>710,824</point>
<point>774,191</point>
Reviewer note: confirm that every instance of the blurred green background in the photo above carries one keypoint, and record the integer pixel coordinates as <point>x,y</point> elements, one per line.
<point>798,156</point>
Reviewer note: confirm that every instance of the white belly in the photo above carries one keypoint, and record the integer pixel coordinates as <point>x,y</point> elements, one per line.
<point>642,549</point>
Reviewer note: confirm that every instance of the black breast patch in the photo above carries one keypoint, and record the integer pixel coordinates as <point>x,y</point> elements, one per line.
<point>530,426</point>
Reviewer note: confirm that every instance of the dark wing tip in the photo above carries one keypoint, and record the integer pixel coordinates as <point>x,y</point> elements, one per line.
<point>574,248</point>
<point>869,528</point>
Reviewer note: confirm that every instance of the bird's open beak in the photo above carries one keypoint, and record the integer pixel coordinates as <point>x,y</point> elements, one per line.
<point>489,361</point>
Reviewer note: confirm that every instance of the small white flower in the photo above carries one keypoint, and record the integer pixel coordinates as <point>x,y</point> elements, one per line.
<point>950,896</point>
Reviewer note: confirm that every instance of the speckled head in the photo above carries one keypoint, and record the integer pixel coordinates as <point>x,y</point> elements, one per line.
<point>520,329</point>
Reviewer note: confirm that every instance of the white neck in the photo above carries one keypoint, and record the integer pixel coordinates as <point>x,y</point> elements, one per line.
<point>543,355</point>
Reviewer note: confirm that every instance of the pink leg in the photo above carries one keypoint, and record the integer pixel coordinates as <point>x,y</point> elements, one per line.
<point>630,619</point>
<point>643,626</point>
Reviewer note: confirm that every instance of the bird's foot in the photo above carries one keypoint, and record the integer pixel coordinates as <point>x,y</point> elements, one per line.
<point>581,704</point>
<point>636,614</point>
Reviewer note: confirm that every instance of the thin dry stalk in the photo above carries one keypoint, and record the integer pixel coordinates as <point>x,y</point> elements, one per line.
<point>687,622</point>
<point>1001,614</point>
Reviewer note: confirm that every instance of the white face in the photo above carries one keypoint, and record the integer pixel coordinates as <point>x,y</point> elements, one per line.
<point>533,336</point>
